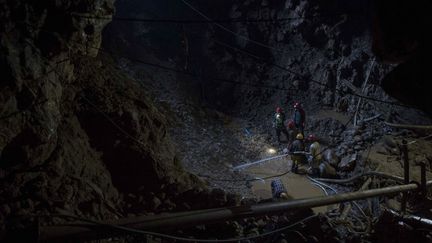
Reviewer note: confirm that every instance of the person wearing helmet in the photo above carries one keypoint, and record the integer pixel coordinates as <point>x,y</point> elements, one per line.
<point>299,117</point>
<point>278,189</point>
<point>292,132</point>
<point>315,154</point>
<point>279,123</point>
<point>297,151</point>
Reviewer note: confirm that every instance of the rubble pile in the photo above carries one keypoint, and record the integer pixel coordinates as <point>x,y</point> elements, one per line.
<point>102,137</point>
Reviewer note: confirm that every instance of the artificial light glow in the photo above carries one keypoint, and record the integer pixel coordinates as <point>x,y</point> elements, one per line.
<point>271,150</point>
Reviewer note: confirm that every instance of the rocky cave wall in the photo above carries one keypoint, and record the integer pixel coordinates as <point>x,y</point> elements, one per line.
<point>327,43</point>
<point>76,135</point>
<point>79,136</point>
<point>333,49</point>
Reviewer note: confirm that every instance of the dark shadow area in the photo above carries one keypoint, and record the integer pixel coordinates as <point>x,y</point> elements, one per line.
<point>129,167</point>
<point>400,35</point>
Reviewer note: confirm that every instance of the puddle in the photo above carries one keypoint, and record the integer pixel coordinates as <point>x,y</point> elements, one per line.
<point>298,186</point>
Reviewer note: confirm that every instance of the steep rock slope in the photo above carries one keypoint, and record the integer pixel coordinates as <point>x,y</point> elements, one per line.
<point>75,135</point>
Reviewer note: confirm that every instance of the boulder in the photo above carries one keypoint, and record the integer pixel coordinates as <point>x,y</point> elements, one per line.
<point>168,204</point>
<point>155,203</point>
<point>326,170</point>
<point>358,138</point>
<point>331,157</point>
<point>218,196</point>
<point>358,148</point>
<point>357,130</point>
<point>5,209</point>
<point>380,149</point>
<point>389,141</point>
<point>393,204</point>
<point>419,159</point>
<point>233,199</point>
<point>348,163</point>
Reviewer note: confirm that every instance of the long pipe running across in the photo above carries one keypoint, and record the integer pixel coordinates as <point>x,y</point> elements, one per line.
<point>184,219</point>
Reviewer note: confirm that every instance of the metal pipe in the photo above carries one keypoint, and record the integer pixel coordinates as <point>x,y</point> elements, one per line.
<point>409,126</point>
<point>406,173</point>
<point>178,220</point>
<point>417,219</point>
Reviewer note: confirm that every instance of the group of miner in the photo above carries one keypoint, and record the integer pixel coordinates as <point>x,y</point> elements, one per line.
<point>302,150</point>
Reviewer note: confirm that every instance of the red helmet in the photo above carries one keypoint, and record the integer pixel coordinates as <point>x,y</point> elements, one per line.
<point>278,110</point>
<point>297,105</point>
<point>312,138</point>
<point>291,124</point>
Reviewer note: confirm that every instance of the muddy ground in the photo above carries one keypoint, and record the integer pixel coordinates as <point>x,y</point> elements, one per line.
<point>210,143</point>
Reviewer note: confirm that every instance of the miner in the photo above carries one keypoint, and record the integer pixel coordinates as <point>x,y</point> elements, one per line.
<point>314,154</point>
<point>292,132</point>
<point>278,189</point>
<point>297,151</point>
<point>279,123</point>
<point>299,117</point>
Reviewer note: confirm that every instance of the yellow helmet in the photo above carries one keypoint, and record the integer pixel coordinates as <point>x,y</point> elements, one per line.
<point>299,136</point>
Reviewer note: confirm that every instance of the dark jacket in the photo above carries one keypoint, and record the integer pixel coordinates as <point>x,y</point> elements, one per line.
<point>279,122</point>
<point>299,117</point>
<point>297,146</point>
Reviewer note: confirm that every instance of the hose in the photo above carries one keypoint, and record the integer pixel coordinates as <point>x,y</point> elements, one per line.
<point>322,184</point>
<point>356,177</point>
<point>321,187</point>
<point>335,191</point>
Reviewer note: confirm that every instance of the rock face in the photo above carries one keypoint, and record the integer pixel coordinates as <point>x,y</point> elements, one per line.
<point>348,163</point>
<point>74,132</point>
<point>314,56</point>
<point>316,53</point>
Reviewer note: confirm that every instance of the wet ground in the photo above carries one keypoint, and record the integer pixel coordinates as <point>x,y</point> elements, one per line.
<point>297,186</point>
<point>210,143</point>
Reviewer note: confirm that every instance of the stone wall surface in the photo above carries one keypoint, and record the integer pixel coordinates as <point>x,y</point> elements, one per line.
<point>75,134</point>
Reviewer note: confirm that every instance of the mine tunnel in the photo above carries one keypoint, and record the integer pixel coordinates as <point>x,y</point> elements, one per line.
<point>215,121</point>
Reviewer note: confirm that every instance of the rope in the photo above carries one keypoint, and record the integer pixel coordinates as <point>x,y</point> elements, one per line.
<point>211,21</point>
<point>191,74</point>
<point>270,47</point>
<point>237,82</point>
<point>230,31</point>
<point>310,79</point>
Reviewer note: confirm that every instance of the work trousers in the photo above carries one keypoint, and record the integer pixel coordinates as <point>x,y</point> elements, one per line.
<point>280,130</point>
